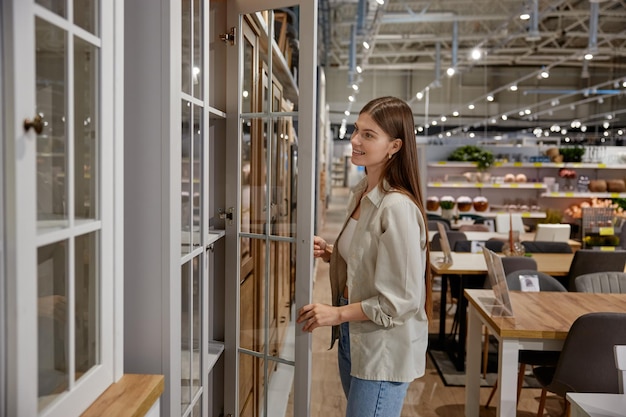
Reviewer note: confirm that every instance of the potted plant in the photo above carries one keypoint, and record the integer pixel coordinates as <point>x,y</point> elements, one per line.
<point>572,153</point>
<point>471,153</point>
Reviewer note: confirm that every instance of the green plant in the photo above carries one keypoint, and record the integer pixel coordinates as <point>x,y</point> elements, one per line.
<point>447,205</point>
<point>471,153</point>
<point>552,216</point>
<point>572,153</point>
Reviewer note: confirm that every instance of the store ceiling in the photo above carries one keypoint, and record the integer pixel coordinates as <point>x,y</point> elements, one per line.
<point>430,37</point>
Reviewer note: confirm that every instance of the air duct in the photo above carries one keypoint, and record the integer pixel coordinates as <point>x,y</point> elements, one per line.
<point>533,30</point>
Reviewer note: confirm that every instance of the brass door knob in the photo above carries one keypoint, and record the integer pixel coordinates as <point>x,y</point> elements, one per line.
<point>36,123</point>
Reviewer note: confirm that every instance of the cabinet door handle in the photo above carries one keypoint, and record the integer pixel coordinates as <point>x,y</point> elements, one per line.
<point>36,123</point>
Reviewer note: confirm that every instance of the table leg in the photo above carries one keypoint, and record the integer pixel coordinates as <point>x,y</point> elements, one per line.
<point>472,376</point>
<point>462,311</point>
<point>508,354</point>
<point>442,311</point>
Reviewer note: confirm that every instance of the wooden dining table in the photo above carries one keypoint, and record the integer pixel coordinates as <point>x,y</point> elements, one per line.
<point>470,269</point>
<point>541,321</point>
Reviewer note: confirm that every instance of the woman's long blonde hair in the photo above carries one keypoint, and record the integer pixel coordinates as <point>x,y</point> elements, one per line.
<point>395,118</point>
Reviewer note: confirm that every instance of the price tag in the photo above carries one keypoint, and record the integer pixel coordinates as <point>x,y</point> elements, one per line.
<point>606,231</point>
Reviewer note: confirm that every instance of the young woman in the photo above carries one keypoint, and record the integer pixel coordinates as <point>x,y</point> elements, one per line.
<point>380,277</point>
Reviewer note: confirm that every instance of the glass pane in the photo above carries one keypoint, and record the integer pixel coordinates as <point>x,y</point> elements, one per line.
<point>282,283</point>
<point>56,6</point>
<point>52,142</point>
<point>283,177</point>
<point>280,389</point>
<point>252,298</point>
<point>248,77</point>
<point>198,68</point>
<point>254,177</point>
<point>186,177</point>
<point>251,386</point>
<point>87,283</point>
<point>186,343</point>
<point>186,46</point>
<point>285,62</point>
<point>86,130</point>
<point>196,170</point>
<point>52,321</point>
<point>191,316</point>
<point>86,14</point>
<point>196,336</point>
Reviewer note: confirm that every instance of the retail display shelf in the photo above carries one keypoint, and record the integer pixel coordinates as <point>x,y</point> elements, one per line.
<point>581,165</point>
<point>575,194</point>
<point>524,185</point>
<point>494,213</point>
<point>215,235</point>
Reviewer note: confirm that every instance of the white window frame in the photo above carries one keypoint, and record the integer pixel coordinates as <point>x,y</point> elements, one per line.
<point>20,214</point>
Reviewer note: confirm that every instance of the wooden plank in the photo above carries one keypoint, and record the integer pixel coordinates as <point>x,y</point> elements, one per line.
<point>132,396</point>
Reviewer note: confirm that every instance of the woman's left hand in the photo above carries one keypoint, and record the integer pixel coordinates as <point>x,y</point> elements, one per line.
<point>317,315</point>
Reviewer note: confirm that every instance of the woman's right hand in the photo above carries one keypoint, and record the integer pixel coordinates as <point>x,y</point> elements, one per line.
<point>321,248</point>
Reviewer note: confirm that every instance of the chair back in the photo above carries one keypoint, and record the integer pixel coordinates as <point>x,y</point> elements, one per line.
<point>543,246</point>
<point>463,246</point>
<point>494,244</point>
<point>553,232</point>
<point>474,228</point>
<point>453,237</point>
<point>432,225</point>
<point>602,282</point>
<point>517,263</point>
<point>587,261</point>
<point>546,282</point>
<point>587,362</point>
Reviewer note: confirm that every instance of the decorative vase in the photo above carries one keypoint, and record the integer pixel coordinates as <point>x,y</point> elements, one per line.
<point>513,247</point>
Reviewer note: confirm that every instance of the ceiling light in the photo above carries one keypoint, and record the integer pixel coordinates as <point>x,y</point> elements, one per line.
<point>521,112</point>
<point>620,132</point>
<point>419,95</point>
<point>505,117</point>
<point>524,16</point>
<point>381,2</point>
<point>366,45</point>
<point>471,107</point>
<point>444,118</point>
<point>420,129</point>
<point>513,87</point>
<point>583,128</point>
<point>609,117</point>
<point>448,134</point>
<point>359,69</point>
<point>600,100</point>
<point>351,98</point>
<point>476,54</point>
<point>624,84</point>
<point>489,97</point>
<point>434,123</point>
<point>455,113</point>
<point>347,113</point>
<point>450,71</point>
<point>606,125</point>
<point>527,111</point>
<point>606,133</point>
<point>355,87</point>
<point>493,120</point>
<point>588,56</point>
<point>544,74</point>
<point>472,134</point>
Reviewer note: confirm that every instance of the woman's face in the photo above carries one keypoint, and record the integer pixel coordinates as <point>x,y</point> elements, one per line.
<point>370,145</point>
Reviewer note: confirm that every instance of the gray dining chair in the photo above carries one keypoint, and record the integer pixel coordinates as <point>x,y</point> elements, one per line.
<point>495,244</point>
<point>516,263</point>
<point>587,362</point>
<point>531,357</point>
<point>546,246</point>
<point>602,282</point>
<point>587,261</point>
<point>453,237</point>
<point>432,225</point>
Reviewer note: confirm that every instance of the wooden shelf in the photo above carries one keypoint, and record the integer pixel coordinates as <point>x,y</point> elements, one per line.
<point>518,185</point>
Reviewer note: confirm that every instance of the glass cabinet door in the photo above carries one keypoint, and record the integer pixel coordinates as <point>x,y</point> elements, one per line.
<point>267,150</point>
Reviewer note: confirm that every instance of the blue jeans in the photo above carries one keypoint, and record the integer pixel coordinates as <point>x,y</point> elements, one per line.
<point>367,398</point>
